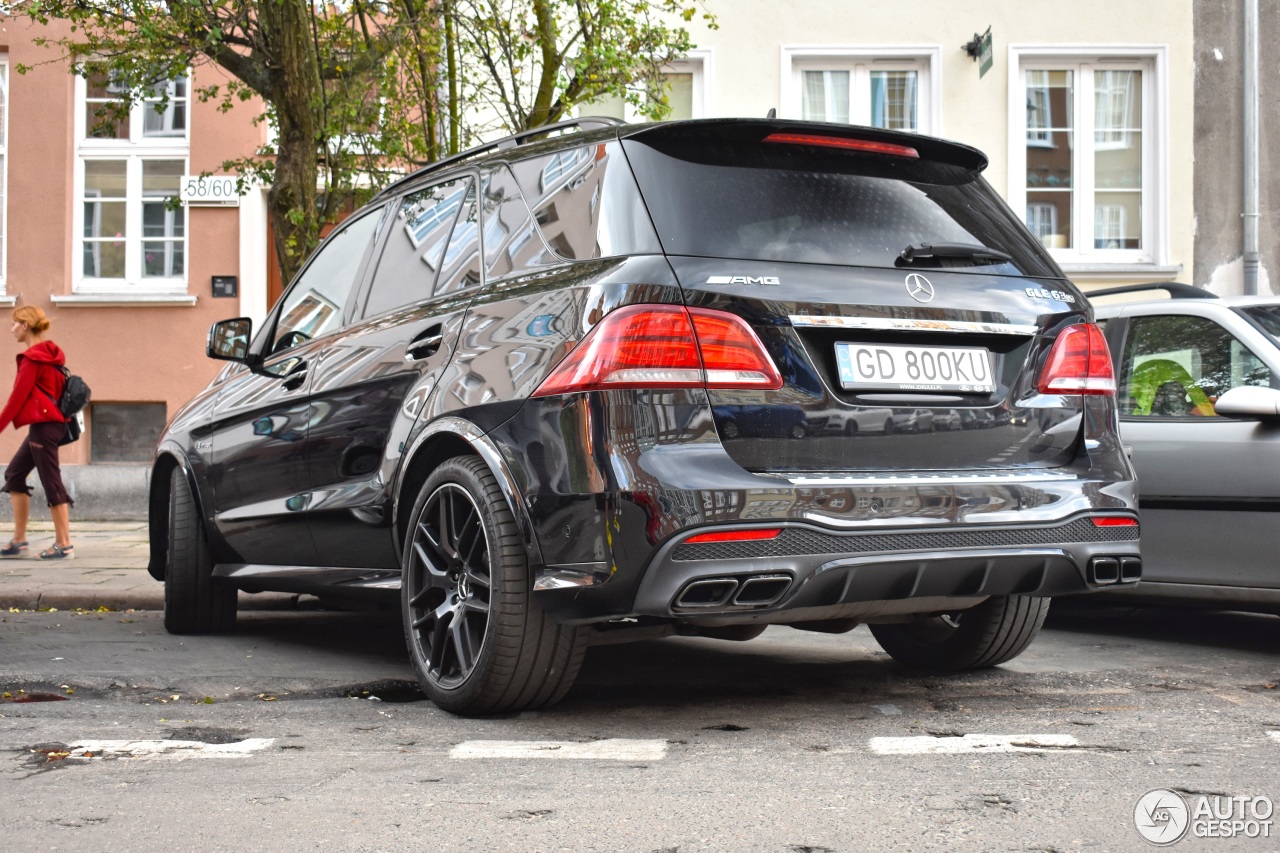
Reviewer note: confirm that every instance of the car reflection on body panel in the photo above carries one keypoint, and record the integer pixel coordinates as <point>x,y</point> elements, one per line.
<point>760,421</point>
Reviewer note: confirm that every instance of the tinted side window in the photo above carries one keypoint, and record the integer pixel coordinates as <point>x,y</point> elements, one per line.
<point>460,266</point>
<point>411,260</point>
<point>315,303</point>
<point>511,240</point>
<point>1177,366</point>
<point>586,203</point>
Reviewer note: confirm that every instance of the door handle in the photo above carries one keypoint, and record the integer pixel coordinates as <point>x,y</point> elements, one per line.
<point>296,378</point>
<point>426,344</point>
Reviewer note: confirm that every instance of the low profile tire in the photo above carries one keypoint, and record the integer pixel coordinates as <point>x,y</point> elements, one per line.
<point>476,636</point>
<point>995,631</point>
<point>194,601</point>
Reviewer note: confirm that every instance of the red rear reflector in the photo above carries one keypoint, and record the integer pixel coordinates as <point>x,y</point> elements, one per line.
<point>866,145</point>
<point>1115,521</point>
<point>1078,363</point>
<point>665,346</point>
<point>735,536</point>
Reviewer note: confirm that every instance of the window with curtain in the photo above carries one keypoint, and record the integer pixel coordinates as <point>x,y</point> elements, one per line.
<point>825,96</point>
<point>887,92</point>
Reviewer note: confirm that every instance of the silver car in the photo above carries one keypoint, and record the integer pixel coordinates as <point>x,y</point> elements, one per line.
<point>1198,393</point>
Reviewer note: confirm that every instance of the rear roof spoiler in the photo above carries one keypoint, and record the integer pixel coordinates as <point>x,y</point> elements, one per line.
<point>928,147</point>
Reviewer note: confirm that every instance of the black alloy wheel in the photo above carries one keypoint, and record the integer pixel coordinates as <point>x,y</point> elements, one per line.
<point>477,638</point>
<point>452,582</point>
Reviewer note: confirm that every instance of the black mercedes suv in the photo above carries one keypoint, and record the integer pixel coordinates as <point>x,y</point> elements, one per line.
<point>695,377</point>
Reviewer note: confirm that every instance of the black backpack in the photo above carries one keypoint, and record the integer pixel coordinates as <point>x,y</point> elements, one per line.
<point>75,395</point>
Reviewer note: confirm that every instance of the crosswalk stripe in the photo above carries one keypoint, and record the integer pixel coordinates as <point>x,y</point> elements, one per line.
<point>165,749</point>
<point>952,745</point>
<point>615,749</point>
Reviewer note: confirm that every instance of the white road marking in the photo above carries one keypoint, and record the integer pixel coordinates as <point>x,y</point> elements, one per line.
<point>1275,736</point>
<point>888,710</point>
<point>615,749</point>
<point>172,750</point>
<point>931,745</point>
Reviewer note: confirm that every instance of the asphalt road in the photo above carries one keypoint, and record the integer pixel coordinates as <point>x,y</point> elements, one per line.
<point>305,731</point>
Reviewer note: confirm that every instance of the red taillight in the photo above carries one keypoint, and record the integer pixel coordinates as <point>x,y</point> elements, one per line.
<point>1114,521</point>
<point>664,346</point>
<point>1079,363</point>
<point>866,145</point>
<point>735,536</point>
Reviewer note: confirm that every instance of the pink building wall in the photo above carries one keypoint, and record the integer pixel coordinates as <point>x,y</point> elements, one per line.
<point>128,353</point>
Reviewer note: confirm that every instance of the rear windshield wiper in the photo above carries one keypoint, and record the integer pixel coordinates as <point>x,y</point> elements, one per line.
<point>940,253</point>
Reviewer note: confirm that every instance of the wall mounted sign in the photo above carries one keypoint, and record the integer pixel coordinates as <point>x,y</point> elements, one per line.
<point>209,191</point>
<point>980,50</point>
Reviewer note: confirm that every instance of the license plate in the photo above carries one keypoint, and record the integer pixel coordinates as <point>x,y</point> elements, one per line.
<point>892,367</point>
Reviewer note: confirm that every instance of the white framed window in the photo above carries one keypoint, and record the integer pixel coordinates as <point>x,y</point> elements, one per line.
<point>4,169</point>
<point>893,88</point>
<point>688,93</point>
<point>130,235</point>
<point>1086,141</point>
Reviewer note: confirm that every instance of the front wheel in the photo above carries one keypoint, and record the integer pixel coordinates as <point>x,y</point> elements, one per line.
<point>194,601</point>
<point>478,640</point>
<point>997,630</point>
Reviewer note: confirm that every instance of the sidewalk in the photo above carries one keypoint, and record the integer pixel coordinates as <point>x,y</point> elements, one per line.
<point>109,570</point>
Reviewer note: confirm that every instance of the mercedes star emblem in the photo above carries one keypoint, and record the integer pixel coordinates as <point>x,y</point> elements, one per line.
<point>919,288</point>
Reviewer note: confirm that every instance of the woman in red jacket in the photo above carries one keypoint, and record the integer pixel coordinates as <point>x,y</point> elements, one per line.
<point>36,391</point>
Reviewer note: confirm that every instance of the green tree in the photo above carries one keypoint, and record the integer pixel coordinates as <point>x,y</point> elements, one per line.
<point>357,91</point>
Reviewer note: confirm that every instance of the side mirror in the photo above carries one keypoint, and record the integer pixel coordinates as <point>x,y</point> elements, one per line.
<point>229,339</point>
<point>1250,401</point>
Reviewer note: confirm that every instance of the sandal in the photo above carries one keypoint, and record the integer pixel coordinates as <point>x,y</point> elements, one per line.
<point>57,552</point>
<point>14,548</point>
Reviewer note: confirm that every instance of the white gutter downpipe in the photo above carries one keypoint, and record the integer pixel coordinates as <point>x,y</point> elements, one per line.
<point>1251,255</point>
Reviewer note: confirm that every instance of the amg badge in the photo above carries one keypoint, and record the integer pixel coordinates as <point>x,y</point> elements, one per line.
<point>743,279</point>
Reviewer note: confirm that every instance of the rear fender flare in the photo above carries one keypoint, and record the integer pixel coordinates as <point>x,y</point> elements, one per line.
<point>443,439</point>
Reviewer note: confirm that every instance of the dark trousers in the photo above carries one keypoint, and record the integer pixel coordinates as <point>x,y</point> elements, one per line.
<point>39,450</point>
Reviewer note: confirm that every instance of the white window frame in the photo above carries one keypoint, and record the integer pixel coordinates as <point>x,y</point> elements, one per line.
<point>4,172</point>
<point>860,62</point>
<point>1083,60</point>
<point>133,151</point>
<point>699,63</point>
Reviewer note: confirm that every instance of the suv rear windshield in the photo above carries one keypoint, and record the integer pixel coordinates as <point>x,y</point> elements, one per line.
<point>730,197</point>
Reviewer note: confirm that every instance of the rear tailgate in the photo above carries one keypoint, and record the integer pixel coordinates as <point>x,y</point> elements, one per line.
<point>925,362</point>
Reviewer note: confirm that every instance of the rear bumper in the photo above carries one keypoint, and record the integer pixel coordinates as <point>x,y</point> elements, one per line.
<point>807,569</point>
<point>808,573</point>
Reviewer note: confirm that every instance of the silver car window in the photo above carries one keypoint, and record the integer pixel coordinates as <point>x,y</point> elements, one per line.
<point>1177,366</point>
